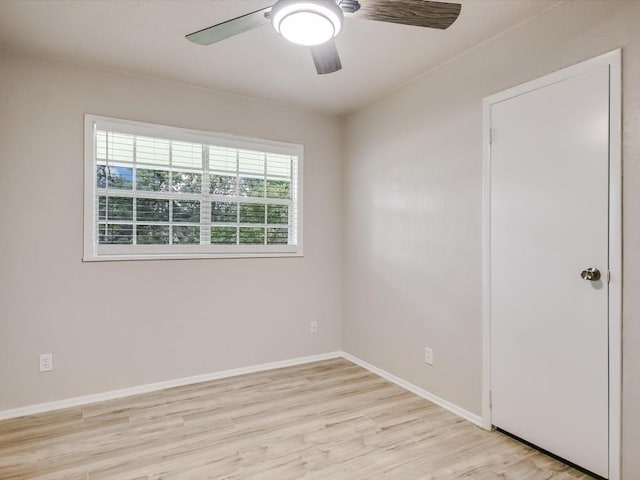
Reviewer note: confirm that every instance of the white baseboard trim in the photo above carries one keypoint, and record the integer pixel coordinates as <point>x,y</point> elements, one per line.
<point>179,382</point>
<point>154,387</point>
<point>453,408</point>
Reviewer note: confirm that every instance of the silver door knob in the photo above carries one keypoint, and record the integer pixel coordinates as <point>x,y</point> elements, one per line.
<point>591,274</point>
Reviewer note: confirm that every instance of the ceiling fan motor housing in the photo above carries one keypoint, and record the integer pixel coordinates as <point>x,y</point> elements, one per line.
<point>349,6</point>
<point>307,22</point>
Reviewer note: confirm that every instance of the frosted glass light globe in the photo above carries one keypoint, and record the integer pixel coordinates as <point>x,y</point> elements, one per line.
<point>307,22</point>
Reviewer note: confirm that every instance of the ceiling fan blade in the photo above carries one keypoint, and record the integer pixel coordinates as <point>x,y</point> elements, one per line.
<point>326,57</point>
<point>419,13</point>
<point>232,27</point>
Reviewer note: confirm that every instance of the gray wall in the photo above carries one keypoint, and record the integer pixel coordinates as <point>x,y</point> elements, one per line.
<point>120,324</point>
<point>413,173</point>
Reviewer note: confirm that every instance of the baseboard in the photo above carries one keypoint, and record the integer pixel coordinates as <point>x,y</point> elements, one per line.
<point>154,387</point>
<point>179,382</point>
<point>453,408</point>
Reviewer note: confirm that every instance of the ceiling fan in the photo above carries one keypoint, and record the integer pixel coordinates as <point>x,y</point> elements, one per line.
<point>315,23</point>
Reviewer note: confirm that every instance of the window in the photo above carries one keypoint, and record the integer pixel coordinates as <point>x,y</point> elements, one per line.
<point>162,192</point>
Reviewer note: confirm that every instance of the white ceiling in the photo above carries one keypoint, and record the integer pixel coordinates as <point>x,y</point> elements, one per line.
<point>147,37</point>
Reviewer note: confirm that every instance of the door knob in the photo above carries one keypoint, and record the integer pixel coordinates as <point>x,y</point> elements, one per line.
<point>591,274</point>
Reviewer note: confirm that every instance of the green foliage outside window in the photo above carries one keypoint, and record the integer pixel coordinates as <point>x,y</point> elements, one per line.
<point>186,234</point>
<point>252,212</point>
<point>251,236</point>
<point>251,187</point>
<point>152,210</point>
<point>186,211</point>
<point>115,208</point>
<point>115,234</point>
<point>152,234</point>
<point>223,185</point>
<point>277,236</point>
<point>224,212</point>
<point>224,235</point>
<point>155,204</point>
<point>277,214</point>
<point>278,189</point>
<point>152,180</point>
<point>184,182</point>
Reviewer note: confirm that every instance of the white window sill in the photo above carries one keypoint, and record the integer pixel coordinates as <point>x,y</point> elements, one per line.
<point>136,257</point>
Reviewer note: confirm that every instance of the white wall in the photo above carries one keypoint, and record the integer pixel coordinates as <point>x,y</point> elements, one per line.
<point>413,259</point>
<point>120,324</point>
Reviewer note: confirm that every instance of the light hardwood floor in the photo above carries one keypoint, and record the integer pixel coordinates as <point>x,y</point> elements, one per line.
<point>328,420</point>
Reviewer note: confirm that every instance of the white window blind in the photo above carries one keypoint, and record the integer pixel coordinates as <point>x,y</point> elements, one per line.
<point>162,192</point>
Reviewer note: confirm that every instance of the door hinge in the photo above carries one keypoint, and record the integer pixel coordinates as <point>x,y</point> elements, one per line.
<point>490,399</point>
<point>491,136</point>
<point>608,276</point>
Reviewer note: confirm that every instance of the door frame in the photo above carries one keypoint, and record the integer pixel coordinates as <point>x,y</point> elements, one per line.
<point>612,59</point>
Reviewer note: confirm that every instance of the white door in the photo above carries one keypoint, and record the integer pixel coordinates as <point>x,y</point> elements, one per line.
<point>549,209</point>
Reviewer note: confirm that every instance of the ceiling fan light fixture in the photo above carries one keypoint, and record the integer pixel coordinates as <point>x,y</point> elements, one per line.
<point>307,22</point>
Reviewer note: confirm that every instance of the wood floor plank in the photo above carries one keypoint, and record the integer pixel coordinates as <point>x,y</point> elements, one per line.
<point>329,420</point>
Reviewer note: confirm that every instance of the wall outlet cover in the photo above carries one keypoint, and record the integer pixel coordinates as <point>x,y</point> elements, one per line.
<point>428,356</point>
<point>46,362</point>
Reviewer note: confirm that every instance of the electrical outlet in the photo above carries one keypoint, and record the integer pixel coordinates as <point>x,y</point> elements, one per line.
<point>428,356</point>
<point>313,328</point>
<point>46,362</point>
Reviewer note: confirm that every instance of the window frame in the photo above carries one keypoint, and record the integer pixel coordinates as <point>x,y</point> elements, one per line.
<point>92,123</point>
